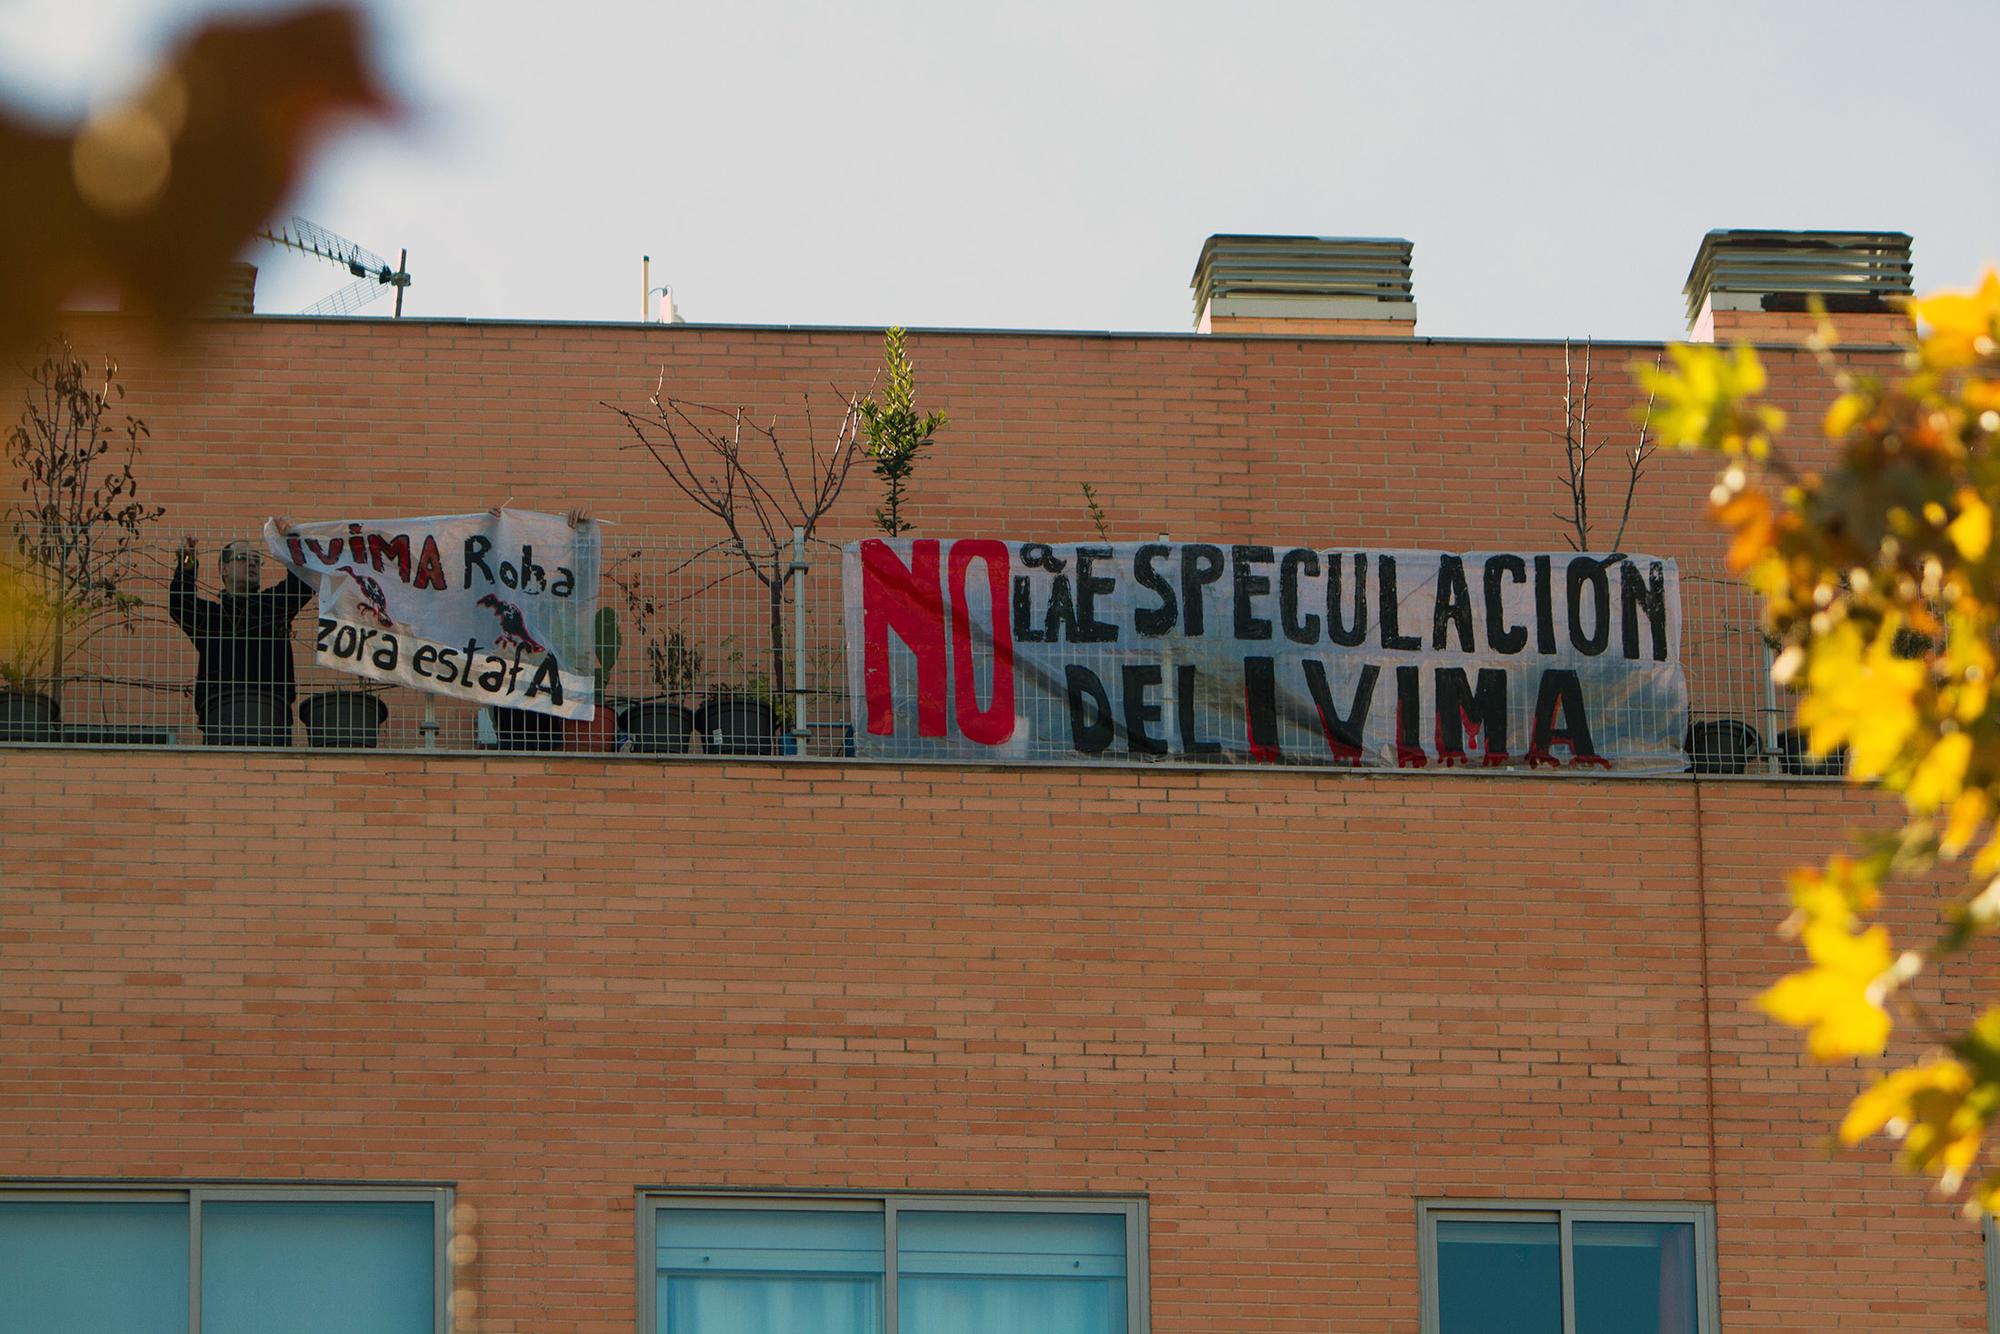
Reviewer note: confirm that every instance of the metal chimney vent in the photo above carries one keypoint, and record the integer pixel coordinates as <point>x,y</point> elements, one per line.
<point>1782,271</point>
<point>1314,277</point>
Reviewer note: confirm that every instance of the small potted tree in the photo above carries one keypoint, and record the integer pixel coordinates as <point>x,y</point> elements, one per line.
<point>599,731</point>
<point>73,538</point>
<point>661,723</point>
<point>767,501</point>
<point>743,712</point>
<point>896,434</point>
<point>767,515</point>
<point>770,503</point>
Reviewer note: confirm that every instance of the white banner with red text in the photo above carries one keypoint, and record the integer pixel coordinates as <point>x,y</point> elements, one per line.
<point>1200,652</point>
<point>492,609</point>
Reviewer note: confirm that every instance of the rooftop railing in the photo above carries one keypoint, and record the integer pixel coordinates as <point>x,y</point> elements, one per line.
<point>703,668</point>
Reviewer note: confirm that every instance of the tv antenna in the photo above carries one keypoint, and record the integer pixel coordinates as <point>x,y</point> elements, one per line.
<point>373,274</point>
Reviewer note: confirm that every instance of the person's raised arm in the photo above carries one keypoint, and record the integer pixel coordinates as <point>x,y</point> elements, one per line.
<point>295,592</point>
<point>183,605</point>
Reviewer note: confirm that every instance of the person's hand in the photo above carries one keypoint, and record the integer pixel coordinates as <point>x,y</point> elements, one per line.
<point>282,523</point>
<point>578,517</point>
<point>187,549</point>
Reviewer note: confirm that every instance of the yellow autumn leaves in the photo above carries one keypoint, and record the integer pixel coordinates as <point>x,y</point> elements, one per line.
<point>1837,1000</point>
<point>1929,1107</point>
<point>1959,326</point>
<point>1876,572</point>
<point>1972,531</point>
<point>1708,400</point>
<point>1859,694</point>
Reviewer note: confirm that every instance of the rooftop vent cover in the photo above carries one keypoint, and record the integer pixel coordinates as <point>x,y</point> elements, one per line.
<point>1309,276</point>
<point>235,293</point>
<point>1783,271</point>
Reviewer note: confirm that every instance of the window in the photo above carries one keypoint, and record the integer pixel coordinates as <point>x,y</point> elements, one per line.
<point>910,1264</point>
<point>222,1260</point>
<point>1505,1268</point>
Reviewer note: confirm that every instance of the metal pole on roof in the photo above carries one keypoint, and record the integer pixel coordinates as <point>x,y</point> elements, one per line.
<point>799,568</point>
<point>1771,717</point>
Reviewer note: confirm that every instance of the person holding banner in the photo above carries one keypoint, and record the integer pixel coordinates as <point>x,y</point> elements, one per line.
<point>244,683</point>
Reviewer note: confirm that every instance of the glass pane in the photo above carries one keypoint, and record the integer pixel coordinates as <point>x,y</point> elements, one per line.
<point>83,1268</point>
<point>1500,1277</point>
<point>1633,1278</point>
<point>1010,1273</point>
<point>768,1271</point>
<point>317,1267</point>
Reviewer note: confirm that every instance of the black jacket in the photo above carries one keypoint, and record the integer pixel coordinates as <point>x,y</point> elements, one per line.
<point>242,642</point>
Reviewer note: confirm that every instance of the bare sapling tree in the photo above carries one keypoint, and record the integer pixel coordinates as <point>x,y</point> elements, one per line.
<point>78,527</point>
<point>1580,451</point>
<point>760,499</point>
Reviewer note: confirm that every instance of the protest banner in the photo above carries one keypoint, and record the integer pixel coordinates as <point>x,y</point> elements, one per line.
<point>1026,651</point>
<point>485,608</point>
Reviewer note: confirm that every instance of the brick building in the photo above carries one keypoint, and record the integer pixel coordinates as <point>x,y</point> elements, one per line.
<point>441,1038</point>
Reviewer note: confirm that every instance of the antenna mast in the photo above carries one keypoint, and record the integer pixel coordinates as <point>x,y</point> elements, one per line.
<point>373,274</point>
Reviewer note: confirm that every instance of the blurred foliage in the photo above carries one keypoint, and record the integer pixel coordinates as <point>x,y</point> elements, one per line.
<point>152,197</point>
<point>1881,588</point>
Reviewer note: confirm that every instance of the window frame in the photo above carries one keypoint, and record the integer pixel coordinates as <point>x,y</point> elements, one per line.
<point>1991,1259</point>
<point>1708,1306</point>
<point>888,1204</point>
<point>194,1194</point>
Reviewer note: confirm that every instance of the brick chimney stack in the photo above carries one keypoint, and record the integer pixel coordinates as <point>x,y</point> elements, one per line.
<point>1345,285</point>
<point>1758,285</point>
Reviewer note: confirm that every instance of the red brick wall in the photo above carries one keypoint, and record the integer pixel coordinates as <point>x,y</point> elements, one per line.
<point>1415,443</point>
<point>1283,1005</point>
<point>1319,441</point>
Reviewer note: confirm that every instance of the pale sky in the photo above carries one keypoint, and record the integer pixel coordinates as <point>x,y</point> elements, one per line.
<point>1056,165</point>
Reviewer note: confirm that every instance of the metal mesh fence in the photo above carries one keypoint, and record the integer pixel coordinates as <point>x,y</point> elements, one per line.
<point>709,662</point>
<point>703,664</point>
<point>1738,720</point>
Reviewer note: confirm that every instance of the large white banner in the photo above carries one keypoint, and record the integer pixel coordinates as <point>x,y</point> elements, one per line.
<point>1026,651</point>
<point>494,610</point>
